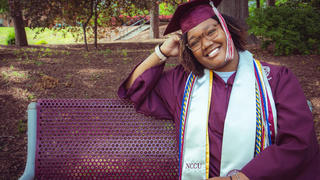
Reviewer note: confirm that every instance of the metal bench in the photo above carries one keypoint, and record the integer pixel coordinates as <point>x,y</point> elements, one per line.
<point>98,139</point>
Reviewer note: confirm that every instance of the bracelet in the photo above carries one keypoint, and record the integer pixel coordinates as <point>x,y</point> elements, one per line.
<point>234,172</point>
<point>161,51</point>
<point>162,57</point>
<point>237,176</point>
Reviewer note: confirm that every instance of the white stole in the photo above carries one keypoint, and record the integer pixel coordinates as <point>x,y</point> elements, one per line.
<point>194,151</point>
<point>240,125</point>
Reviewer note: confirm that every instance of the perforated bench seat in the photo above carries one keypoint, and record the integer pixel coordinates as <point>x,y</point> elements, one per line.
<point>98,139</point>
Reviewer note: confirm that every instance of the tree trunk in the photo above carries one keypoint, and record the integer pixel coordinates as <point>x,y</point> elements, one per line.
<point>85,36</point>
<point>96,25</point>
<point>258,3</point>
<point>84,25</point>
<point>238,9</point>
<point>16,14</point>
<point>154,20</point>
<point>271,2</point>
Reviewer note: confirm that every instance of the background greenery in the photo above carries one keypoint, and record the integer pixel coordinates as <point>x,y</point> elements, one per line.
<point>67,35</point>
<point>46,37</point>
<point>289,28</point>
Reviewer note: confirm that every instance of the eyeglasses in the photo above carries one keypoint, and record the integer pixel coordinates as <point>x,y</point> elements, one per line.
<point>195,43</point>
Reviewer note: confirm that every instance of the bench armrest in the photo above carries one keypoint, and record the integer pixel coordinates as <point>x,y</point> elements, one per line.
<point>32,129</point>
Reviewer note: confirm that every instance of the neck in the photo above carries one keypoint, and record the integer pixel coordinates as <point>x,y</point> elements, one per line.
<point>232,65</point>
<point>235,61</point>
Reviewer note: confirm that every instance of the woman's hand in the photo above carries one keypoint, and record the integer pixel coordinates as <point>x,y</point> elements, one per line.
<point>234,177</point>
<point>171,46</point>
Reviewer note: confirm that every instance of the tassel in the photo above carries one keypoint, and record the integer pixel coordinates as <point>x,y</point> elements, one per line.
<point>230,47</point>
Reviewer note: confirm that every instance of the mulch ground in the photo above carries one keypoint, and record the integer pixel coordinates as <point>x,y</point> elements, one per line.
<point>68,71</point>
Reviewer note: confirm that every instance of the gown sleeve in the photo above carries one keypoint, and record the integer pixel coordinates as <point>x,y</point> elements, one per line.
<point>153,92</point>
<point>295,155</point>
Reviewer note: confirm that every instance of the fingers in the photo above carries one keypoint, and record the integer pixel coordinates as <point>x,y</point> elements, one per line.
<point>171,46</point>
<point>177,36</point>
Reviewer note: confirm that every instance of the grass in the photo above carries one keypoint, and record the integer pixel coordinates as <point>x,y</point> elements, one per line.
<point>124,52</point>
<point>47,36</point>
<point>105,52</point>
<point>12,74</point>
<point>22,126</point>
<point>4,32</point>
<point>38,53</point>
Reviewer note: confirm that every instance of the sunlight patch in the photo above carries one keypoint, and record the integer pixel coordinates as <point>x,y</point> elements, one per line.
<point>275,63</point>
<point>22,94</point>
<point>12,74</point>
<point>315,101</point>
<point>89,84</point>
<point>47,82</point>
<point>90,71</point>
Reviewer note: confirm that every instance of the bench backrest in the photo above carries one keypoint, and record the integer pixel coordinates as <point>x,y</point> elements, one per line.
<point>103,138</point>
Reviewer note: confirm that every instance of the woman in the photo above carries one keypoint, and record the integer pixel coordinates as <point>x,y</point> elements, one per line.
<point>236,118</point>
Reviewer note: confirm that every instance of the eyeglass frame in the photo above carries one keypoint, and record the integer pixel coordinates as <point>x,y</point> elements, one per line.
<point>205,36</point>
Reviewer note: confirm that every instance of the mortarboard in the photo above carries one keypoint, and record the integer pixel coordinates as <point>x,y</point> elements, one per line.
<point>190,14</point>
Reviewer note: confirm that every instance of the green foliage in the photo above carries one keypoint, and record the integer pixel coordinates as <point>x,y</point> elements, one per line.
<point>291,29</point>
<point>41,42</point>
<point>108,51</point>
<point>4,7</point>
<point>124,52</point>
<point>252,4</point>
<point>298,3</point>
<point>166,9</point>
<point>279,2</point>
<point>11,38</point>
<point>22,126</point>
<point>315,3</point>
<point>38,63</point>
<point>105,52</point>
<point>132,10</point>
<point>50,36</point>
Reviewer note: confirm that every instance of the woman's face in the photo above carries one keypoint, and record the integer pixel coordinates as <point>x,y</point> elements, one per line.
<point>208,44</point>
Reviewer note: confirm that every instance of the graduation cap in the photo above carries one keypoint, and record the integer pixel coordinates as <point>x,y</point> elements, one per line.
<point>189,15</point>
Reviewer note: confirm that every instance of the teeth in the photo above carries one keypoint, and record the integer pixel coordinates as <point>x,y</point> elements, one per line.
<point>213,52</point>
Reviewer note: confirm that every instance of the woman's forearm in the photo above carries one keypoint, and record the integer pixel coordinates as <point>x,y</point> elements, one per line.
<point>151,61</point>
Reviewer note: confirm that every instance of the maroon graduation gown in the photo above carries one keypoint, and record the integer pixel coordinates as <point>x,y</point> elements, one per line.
<point>296,152</point>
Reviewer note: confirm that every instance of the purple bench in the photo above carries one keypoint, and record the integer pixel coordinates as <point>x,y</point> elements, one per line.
<point>98,139</point>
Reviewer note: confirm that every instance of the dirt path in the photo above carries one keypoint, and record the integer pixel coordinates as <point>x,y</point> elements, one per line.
<point>28,74</point>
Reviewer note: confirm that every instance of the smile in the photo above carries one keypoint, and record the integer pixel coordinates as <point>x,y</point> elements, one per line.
<point>213,52</point>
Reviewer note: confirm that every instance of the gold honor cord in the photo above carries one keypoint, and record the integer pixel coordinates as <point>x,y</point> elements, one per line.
<point>207,134</point>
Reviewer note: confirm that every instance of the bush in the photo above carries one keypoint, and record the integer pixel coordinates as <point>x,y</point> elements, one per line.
<point>291,29</point>
<point>11,38</point>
